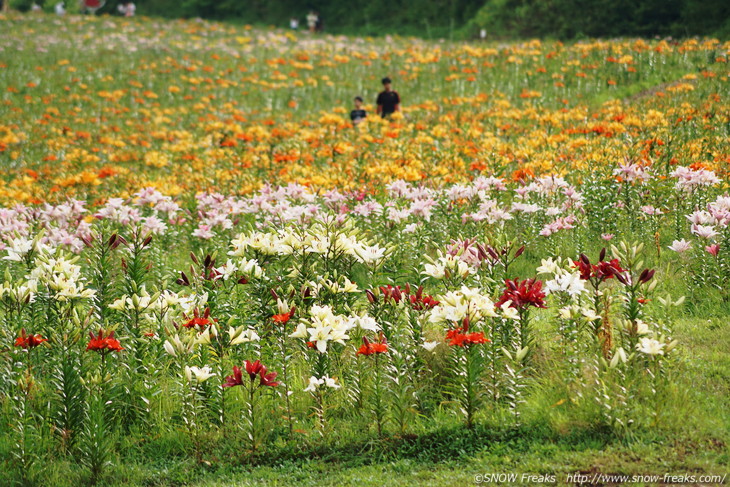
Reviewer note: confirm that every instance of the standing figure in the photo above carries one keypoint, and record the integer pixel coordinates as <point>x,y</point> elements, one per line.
<point>312,20</point>
<point>319,26</point>
<point>127,9</point>
<point>388,100</point>
<point>358,114</point>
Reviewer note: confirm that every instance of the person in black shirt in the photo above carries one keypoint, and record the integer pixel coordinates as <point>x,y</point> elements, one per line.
<point>358,114</point>
<point>388,100</point>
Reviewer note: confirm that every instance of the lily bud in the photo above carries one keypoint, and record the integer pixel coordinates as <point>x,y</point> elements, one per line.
<point>183,281</point>
<point>522,353</point>
<point>519,251</point>
<point>649,275</point>
<point>618,356</point>
<point>622,278</point>
<point>371,297</point>
<point>507,354</point>
<point>492,253</point>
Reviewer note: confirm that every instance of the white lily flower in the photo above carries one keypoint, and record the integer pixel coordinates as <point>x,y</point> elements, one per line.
<point>201,374</point>
<point>430,346</point>
<point>650,346</point>
<point>314,384</point>
<point>509,312</point>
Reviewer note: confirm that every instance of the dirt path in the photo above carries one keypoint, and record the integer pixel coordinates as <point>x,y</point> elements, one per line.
<point>655,89</point>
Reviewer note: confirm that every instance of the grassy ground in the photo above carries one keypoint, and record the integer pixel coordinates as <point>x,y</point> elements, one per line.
<point>693,444</point>
<point>700,447</point>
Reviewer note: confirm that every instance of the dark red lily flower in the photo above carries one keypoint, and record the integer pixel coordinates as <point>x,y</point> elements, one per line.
<point>267,380</point>
<point>584,267</point>
<point>236,379</point>
<point>602,270</point>
<point>104,344</point>
<point>523,294</point>
<point>29,341</point>
<point>607,270</point>
<point>254,370</point>
<point>394,293</point>
<point>421,302</point>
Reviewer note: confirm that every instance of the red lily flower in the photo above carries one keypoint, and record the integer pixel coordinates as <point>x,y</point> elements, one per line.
<point>283,318</point>
<point>458,339</point>
<point>200,321</point>
<point>104,344</point>
<point>523,294</point>
<point>29,341</point>
<point>369,348</point>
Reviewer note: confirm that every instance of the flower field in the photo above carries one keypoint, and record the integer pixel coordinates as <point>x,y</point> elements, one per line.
<point>208,271</point>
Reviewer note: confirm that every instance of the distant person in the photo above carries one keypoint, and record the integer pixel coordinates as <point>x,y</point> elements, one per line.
<point>312,19</point>
<point>91,6</point>
<point>35,8</point>
<point>358,114</point>
<point>294,23</point>
<point>388,100</point>
<point>60,8</point>
<point>127,9</point>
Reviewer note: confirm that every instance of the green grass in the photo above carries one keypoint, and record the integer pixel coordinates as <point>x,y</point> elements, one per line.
<point>693,440</point>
